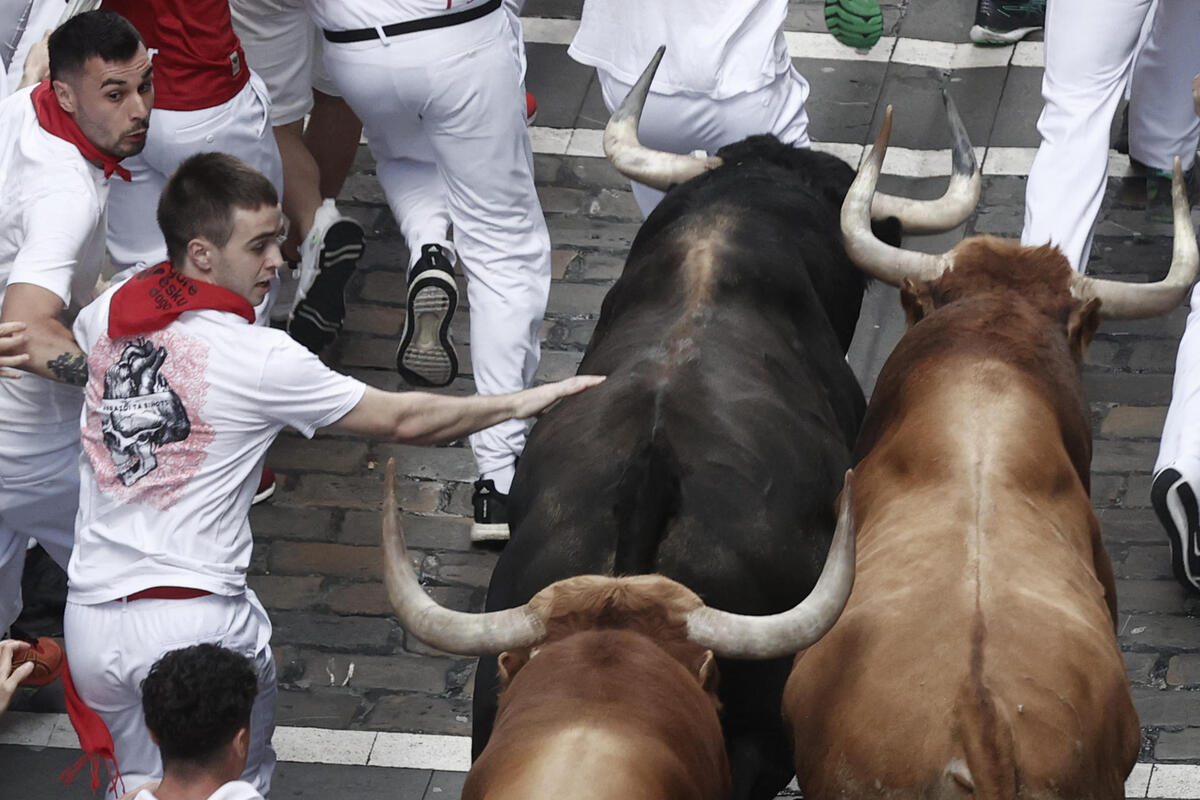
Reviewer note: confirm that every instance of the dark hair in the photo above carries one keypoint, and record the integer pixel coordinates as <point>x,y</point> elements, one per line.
<point>196,699</point>
<point>93,33</point>
<point>201,197</point>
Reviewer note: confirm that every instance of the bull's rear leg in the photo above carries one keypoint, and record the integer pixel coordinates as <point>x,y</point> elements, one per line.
<point>759,765</point>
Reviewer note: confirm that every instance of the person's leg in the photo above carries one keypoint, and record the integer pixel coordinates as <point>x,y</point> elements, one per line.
<point>1089,53</point>
<point>1162,116</point>
<point>332,136</point>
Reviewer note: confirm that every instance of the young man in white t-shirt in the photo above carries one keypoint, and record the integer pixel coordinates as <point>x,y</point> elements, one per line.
<point>197,703</point>
<point>60,142</point>
<point>183,399</point>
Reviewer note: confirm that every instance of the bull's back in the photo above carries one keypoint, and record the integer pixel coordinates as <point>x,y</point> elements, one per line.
<point>977,652</point>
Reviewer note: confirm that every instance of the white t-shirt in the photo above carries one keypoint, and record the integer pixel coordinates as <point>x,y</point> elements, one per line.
<point>176,424</point>
<point>717,48</point>
<point>234,790</point>
<point>43,16</point>
<point>52,236</point>
<point>345,15</point>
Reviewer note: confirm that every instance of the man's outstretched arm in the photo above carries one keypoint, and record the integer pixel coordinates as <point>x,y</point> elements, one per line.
<point>48,343</point>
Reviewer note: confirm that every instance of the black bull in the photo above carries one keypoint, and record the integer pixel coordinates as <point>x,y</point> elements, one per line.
<point>714,451</point>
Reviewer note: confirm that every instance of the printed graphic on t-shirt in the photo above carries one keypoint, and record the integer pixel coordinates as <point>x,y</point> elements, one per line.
<point>139,412</point>
<point>144,433</point>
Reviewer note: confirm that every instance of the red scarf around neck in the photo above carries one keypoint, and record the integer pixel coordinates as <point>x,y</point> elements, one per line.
<point>153,299</point>
<point>59,123</point>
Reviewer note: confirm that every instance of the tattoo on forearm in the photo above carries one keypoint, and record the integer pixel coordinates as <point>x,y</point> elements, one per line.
<point>70,369</point>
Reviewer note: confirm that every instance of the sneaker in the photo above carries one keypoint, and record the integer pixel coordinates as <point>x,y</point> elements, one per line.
<point>46,655</point>
<point>328,257</point>
<point>1007,21</point>
<point>1175,504</point>
<point>530,109</point>
<point>266,486</point>
<point>491,513</point>
<point>854,23</point>
<point>426,354</point>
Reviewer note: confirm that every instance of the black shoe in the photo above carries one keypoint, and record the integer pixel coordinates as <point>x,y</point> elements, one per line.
<point>1175,504</point>
<point>491,513</point>
<point>426,354</point>
<point>1007,21</point>
<point>320,306</point>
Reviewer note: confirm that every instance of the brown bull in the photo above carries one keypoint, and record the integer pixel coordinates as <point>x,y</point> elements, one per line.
<point>609,683</point>
<point>977,654</point>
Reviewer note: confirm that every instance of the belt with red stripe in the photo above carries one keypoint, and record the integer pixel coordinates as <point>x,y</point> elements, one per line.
<point>167,593</point>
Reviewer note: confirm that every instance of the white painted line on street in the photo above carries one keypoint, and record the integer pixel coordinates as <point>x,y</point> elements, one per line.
<point>822,46</point>
<point>453,753</point>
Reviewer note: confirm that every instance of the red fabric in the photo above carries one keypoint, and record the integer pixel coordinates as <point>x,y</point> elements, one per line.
<point>198,60</point>
<point>168,593</point>
<point>155,297</point>
<point>94,740</point>
<point>59,123</point>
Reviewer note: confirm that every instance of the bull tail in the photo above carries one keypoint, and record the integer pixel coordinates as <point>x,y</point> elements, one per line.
<point>647,498</point>
<point>987,769</point>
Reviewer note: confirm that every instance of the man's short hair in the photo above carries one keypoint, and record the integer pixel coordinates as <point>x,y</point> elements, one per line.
<point>93,33</point>
<point>196,699</point>
<point>201,197</point>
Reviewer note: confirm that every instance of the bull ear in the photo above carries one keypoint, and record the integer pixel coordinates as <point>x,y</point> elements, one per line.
<point>917,301</point>
<point>1081,326</point>
<point>708,672</point>
<point>510,663</point>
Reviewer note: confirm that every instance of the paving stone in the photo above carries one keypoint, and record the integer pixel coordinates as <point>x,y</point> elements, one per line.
<point>359,599</point>
<point>1169,632</point>
<point>420,713</point>
<point>381,285</point>
<point>1107,490</point>
<point>364,493</point>
<point>1150,595</point>
<point>346,634</point>
<point>471,569</point>
<point>1139,666</point>
<point>312,780</point>
<point>1167,709</point>
<point>314,709</point>
<point>594,172</point>
<point>1123,456</point>
<point>1177,745</point>
<point>1184,671</point>
<point>445,786</point>
<point>286,593</point>
<point>597,266</point>
<point>546,168</point>
<point>575,299</point>
<point>560,261</point>
<point>274,521</point>
<point>1101,352</point>
<point>1135,422</point>
<point>398,673</point>
<point>361,188</point>
<point>1137,495</point>
<point>460,500</point>
<point>1152,356</point>
<point>322,558</point>
<point>366,351</point>
<point>376,320</point>
<point>421,532</point>
<point>1145,561</point>
<point>444,463</point>
<point>607,235</point>
<point>556,365</point>
<point>614,204</point>
<point>295,454</point>
<point>560,200</point>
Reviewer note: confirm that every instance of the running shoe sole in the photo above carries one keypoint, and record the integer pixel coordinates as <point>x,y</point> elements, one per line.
<point>991,36</point>
<point>426,354</point>
<point>489,532</point>
<point>1175,503</point>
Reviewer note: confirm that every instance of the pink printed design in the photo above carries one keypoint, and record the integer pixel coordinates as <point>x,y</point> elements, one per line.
<point>144,435</point>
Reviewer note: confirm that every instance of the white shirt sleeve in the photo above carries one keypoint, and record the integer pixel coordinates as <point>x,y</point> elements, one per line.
<point>235,790</point>
<point>57,227</point>
<point>296,389</point>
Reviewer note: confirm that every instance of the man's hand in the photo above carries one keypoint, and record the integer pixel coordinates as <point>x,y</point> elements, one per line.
<point>10,678</point>
<point>12,342</point>
<point>532,402</point>
<point>37,63</point>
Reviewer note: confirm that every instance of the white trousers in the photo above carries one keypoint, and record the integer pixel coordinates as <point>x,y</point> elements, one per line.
<point>111,647</point>
<point>1090,49</point>
<point>683,123</point>
<point>39,494</point>
<point>443,112</point>
<point>1180,445</point>
<point>240,127</point>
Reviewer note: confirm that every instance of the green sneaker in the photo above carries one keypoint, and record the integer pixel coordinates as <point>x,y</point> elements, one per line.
<point>854,23</point>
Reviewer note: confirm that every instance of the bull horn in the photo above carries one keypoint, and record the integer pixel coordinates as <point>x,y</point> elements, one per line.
<point>1120,300</point>
<point>960,198</point>
<point>777,635</point>
<point>451,631</point>
<point>879,259</point>
<point>634,160</point>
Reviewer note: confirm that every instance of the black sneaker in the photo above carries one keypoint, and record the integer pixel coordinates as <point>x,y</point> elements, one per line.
<point>328,258</point>
<point>1007,21</point>
<point>1175,504</point>
<point>491,513</point>
<point>426,354</point>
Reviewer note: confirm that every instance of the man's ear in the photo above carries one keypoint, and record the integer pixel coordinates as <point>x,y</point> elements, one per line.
<point>65,94</point>
<point>200,252</point>
<point>241,743</point>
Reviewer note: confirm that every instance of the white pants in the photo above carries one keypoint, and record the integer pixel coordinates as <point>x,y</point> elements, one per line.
<point>111,647</point>
<point>1090,52</point>
<point>683,123</point>
<point>443,112</point>
<point>1180,445</point>
<point>240,127</point>
<point>39,494</point>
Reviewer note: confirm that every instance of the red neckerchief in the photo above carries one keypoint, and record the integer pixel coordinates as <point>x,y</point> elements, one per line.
<point>95,740</point>
<point>59,123</point>
<point>153,298</point>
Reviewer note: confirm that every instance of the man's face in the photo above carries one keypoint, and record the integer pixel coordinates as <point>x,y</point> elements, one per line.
<point>111,101</point>
<point>248,262</point>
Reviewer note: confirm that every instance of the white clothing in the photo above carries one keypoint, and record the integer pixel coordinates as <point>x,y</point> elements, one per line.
<point>714,47</point>
<point>344,15</point>
<point>176,425</point>
<point>111,647</point>
<point>443,113</point>
<point>43,15</point>
<point>240,127</point>
<point>283,47</point>
<point>1180,445</point>
<point>234,790</point>
<point>1090,52</point>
